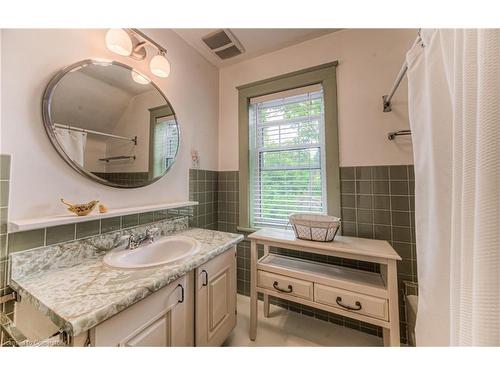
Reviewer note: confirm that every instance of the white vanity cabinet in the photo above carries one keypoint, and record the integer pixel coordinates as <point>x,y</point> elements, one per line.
<point>165,318</point>
<point>215,296</point>
<point>198,309</point>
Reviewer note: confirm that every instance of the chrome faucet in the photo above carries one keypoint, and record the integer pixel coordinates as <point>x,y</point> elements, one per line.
<point>134,240</point>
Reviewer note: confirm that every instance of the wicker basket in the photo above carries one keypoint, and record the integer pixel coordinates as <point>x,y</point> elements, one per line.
<point>314,227</point>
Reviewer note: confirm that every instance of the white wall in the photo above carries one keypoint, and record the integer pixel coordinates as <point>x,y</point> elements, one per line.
<point>369,61</point>
<point>134,122</point>
<point>39,175</point>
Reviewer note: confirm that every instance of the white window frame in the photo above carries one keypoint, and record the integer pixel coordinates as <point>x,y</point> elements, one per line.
<point>256,151</point>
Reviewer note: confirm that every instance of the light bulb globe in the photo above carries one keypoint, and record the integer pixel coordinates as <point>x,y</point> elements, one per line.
<point>119,42</point>
<point>160,66</point>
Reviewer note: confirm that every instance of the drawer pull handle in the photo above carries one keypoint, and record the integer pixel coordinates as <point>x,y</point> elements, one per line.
<point>182,293</point>
<point>288,290</point>
<point>358,305</point>
<point>205,283</point>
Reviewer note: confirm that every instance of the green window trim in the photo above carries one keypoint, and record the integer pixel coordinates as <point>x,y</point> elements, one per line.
<point>326,76</point>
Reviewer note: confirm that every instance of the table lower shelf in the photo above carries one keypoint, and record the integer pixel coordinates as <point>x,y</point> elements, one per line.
<point>343,277</point>
<point>356,294</point>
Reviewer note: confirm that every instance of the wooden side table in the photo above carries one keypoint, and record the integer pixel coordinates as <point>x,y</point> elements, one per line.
<point>362,295</point>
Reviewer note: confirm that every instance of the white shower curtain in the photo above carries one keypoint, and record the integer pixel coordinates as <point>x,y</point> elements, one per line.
<point>454,107</point>
<point>73,143</point>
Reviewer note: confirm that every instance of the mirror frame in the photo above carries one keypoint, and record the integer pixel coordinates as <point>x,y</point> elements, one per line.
<point>48,123</point>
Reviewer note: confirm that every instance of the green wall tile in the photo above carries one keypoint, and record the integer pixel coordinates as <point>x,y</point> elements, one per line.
<point>3,274</point>
<point>382,232</point>
<point>347,173</point>
<point>364,201</point>
<point>411,172</point>
<point>399,188</point>
<point>401,218</point>
<point>348,214</point>
<point>60,233</point>
<point>146,217</point>
<point>365,230</point>
<point>364,187</point>
<point>398,172</point>
<point>110,224</point>
<point>382,217</point>
<point>400,203</point>
<point>348,200</point>
<point>364,216</point>
<point>4,167</point>
<point>402,234</point>
<point>380,173</point>
<point>87,228</point>
<point>411,187</point>
<point>403,249</point>
<point>26,240</point>
<point>4,193</point>
<point>382,202</point>
<point>3,220</point>
<point>380,187</point>
<point>3,247</point>
<point>348,229</point>
<point>130,220</point>
<point>363,173</point>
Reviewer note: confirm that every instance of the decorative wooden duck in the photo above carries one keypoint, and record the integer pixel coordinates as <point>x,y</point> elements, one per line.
<point>80,209</point>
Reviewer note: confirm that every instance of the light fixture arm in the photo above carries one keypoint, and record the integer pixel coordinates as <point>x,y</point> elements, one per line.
<point>147,40</point>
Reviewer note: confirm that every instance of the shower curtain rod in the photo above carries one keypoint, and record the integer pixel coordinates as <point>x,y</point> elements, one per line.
<point>88,131</point>
<point>387,98</point>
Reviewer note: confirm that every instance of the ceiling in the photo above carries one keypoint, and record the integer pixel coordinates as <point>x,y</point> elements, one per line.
<point>256,42</point>
<point>116,76</point>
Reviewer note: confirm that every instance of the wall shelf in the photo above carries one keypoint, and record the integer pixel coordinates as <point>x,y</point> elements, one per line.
<point>50,221</point>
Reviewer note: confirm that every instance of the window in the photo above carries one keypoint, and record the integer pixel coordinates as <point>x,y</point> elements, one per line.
<point>287,158</point>
<point>165,144</point>
<point>288,147</point>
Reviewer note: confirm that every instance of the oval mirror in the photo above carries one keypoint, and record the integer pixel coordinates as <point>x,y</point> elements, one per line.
<point>111,123</point>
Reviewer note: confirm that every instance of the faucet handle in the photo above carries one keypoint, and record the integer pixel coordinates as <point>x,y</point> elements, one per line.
<point>119,241</point>
<point>152,232</point>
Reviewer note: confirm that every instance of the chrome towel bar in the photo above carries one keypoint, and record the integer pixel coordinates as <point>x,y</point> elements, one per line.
<point>397,133</point>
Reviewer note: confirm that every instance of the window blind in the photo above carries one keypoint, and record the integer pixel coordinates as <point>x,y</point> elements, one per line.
<point>287,169</point>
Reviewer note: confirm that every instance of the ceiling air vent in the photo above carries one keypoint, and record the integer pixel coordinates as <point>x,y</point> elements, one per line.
<point>223,44</point>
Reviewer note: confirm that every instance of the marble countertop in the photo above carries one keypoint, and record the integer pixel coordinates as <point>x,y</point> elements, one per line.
<point>79,294</point>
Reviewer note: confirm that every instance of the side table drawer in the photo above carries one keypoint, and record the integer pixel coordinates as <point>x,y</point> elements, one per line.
<point>351,301</point>
<point>285,285</point>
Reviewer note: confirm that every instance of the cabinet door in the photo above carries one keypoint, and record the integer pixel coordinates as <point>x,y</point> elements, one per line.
<point>158,333</point>
<point>165,318</point>
<point>216,299</point>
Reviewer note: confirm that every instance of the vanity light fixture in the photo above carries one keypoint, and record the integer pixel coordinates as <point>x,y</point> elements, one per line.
<point>119,42</point>
<point>131,43</point>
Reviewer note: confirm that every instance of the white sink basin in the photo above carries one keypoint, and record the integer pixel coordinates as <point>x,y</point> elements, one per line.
<point>159,253</point>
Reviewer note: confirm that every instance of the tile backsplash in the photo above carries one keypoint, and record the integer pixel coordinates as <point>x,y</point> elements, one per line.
<point>203,189</point>
<point>4,208</point>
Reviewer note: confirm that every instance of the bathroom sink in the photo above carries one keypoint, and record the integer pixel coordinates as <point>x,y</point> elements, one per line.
<point>159,253</point>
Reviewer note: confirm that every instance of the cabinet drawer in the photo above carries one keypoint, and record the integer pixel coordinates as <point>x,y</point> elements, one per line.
<point>350,301</point>
<point>285,285</point>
